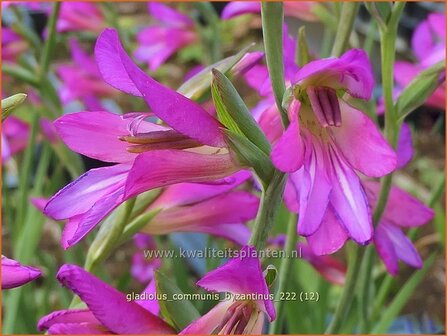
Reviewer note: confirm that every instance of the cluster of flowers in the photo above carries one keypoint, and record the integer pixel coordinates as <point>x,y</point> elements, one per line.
<point>330,151</point>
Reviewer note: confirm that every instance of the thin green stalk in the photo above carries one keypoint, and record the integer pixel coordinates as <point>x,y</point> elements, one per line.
<point>284,271</point>
<point>214,40</point>
<point>364,288</point>
<point>25,174</point>
<point>272,30</point>
<point>355,256</point>
<point>270,202</point>
<point>48,49</point>
<point>345,26</point>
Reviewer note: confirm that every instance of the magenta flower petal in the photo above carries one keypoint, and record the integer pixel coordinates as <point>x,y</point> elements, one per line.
<point>349,201</point>
<point>288,152</point>
<point>352,72</point>
<point>236,8</point>
<point>81,130</point>
<point>77,329</point>
<point>168,15</point>
<point>402,209</point>
<point>314,187</point>
<point>88,221</point>
<point>179,112</point>
<point>189,193</point>
<point>403,246</point>
<point>229,278</point>
<point>151,306</point>
<point>78,196</point>
<point>330,236</point>
<point>110,306</point>
<point>175,166</point>
<point>15,274</point>
<point>386,251</point>
<point>72,316</point>
<point>404,149</point>
<point>291,197</point>
<point>362,144</point>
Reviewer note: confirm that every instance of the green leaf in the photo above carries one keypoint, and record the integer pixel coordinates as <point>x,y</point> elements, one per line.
<point>251,156</point>
<point>420,88</point>
<point>233,112</point>
<point>180,313</point>
<point>10,103</point>
<point>302,53</point>
<point>195,86</point>
<point>138,223</point>
<point>270,275</point>
<point>272,25</point>
<point>19,73</point>
<point>389,314</point>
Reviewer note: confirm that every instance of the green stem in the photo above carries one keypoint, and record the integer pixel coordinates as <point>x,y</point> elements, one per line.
<point>48,49</point>
<point>284,271</point>
<point>272,31</point>
<point>214,40</point>
<point>344,28</point>
<point>270,202</point>
<point>364,288</point>
<point>344,304</point>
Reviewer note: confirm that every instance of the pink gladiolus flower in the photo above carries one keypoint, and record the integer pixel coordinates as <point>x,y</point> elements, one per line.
<point>328,140</point>
<point>82,80</point>
<point>428,45</point>
<point>80,16</point>
<point>402,211</point>
<point>15,133</point>
<point>239,276</point>
<point>14,274</point>
<point>159,42</point>
<point>192,150</point>
<point>298,9</point>
<point>108,309</point>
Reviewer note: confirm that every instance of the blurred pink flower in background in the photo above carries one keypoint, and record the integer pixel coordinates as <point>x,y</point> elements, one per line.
<point>428,44</point>
<point>12,44</point>
<point>82,80</point>
<point>402,211</point>
<point>15,134</point>
<point>80,16</point>
<point>160,41</point>
<point>297,9</point>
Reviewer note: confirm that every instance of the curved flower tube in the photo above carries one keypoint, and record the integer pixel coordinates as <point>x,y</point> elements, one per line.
<point>15,274</point>
<point>108,309</point>
<point>157,43</point>
<point>236,315</point>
